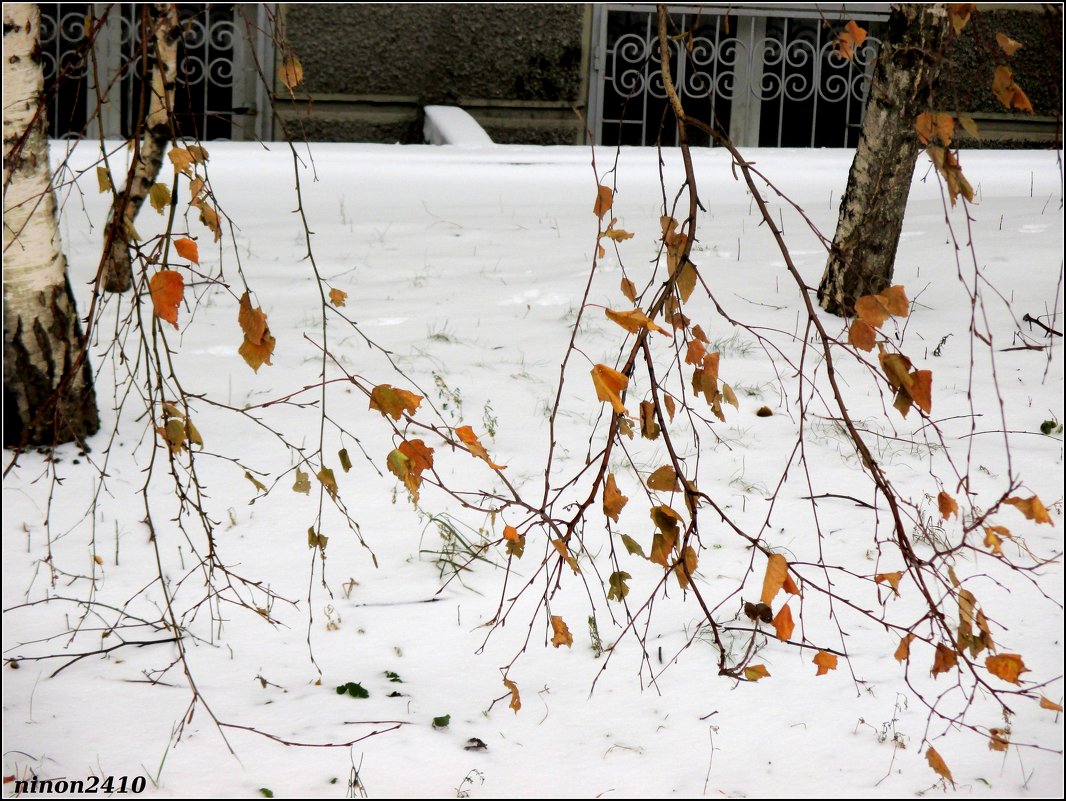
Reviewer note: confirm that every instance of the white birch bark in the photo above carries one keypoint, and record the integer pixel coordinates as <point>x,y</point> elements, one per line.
<point>48,394</point>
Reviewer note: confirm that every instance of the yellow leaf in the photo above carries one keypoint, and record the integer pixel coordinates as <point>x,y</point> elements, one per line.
<point>564,552</point>
<point>686,281</point>
<point>903,650</point>
<point>609,385</point>
<point>180,158</point>
<point>159,197</point>
<point>783,624</point>
<point>664,480</point>
<point>729,396</point>
<point>1008,45</point>
<point>632,546</point>
<point>392,402</point>
<point>291,72</point>
<point>892,579</point>
<point>994,538</point>
<point>613,500</point>
<point>938,764</point>
<point>258,343</point>
<point>825,662</point>
<point>618,235</point>
<point>1032,508</point>
<point>633,321</point>
<point>259,485</point>
<point>968,125</point>
<point>1007,667</point>
<point>209,217</point>
<point>618,587</point>
<point>560,633</point>
<point>337,297</point>
<point>774,580</point>
<point>325,477</point>
<point>103,179</point>
<point>167,288</point>
<point>1008,92</point>
<point>516,701</point>
<point>948,505</point>
<point>469,438</point>
<point>756,672</point>
<point>939,126</point>
<point>604,201</point>
<point>187,250</point>
<point>1047,703</point>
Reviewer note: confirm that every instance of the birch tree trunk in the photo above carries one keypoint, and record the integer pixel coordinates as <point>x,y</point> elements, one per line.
<point>118,270</point>
<point>48,391</point>
<point>871,212</point>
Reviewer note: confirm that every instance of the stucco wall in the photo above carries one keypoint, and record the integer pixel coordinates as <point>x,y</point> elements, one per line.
<point>519,69</point>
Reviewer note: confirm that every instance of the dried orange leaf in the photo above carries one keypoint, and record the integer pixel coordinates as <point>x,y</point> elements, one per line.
<point>649,429</point>
<point>959,14</point>
<point>668,402</point>
<point>686,566</point>
<point>337,297</point>
<point>937,763</point>
<point>756,672</point>
<point>686,280</point>
<point>633,321</point>
<point>998,739</point>
<point>1007,667</point>
<point>629,289</point>
<point>187,250</point>
<point>937,126</point>
<point>783,624</point>
<point>291,72</point>
<point>609,385</point>
<point>469,438</point>
<point>392,402</point>
<point>903,650</point>
<point>774,580</point>
<point>167,288</point>
<point>516,700</point>
<point>1008,92</point>
<point>968,125</point>
<point>944,660</point>
<point>872,310</point>
<point>604,201</point>
<point>613,500</point>
<point>825,662</point>
<point>618,235</point>
<point>892,579</point>
<point>564,552</point>
<point>1008,45</point>
<point>560,633</point>
<point>420,454</point>
<point>948,505</point>
<point>1032,508</point>
<point>180,158</point>
<point>664,480</point>
<point>861,335</point>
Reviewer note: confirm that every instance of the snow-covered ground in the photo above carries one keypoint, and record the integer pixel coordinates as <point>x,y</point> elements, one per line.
<point>468,266</point>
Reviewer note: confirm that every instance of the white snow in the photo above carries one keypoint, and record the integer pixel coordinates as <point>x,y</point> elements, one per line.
<point>468,266</point>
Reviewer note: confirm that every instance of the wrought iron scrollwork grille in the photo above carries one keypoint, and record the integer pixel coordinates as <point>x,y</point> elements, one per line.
<point>768,80</point>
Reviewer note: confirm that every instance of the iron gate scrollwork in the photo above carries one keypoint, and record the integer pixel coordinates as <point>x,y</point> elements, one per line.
<point>768,79</point>
<point>216,93</point>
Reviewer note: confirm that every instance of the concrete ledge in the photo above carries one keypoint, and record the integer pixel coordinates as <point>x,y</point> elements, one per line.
<point>450,125</point>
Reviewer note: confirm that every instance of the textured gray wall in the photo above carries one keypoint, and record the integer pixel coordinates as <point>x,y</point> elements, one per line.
<point>519,69</point>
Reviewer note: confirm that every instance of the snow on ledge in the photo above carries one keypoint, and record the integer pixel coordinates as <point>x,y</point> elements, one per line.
<point>450,125</point>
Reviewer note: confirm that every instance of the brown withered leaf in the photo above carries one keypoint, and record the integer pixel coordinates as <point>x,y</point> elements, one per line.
<point>664,480</point>
<point>617,234</point>
<point>825,662</point>
<point>662,545</point>
<point>302,483</point>
<point>633,321</point>
<point>968,125</point>
<point>998,739</point>
<point>560,633</point>
<point>937,763</point>
<point>181,158</point>
<point>948,506</point>
<point>668,402</point>
<point>209,217</point>
<point>944,660</point>
<point>632,546</point>
<point>959,14</point>
<point>695,352</point>
<point>686,566</point>
<point>604,201</point>
<point>756,672</point>
<point>613,500</point>
<point>1047,703</point>
<point>469,438</point>
<point>1007,667</point>
<point>159,197</point>
<point>1008,45</point>
<point>609,384</point>
<point>937,126</point>
<point>103,179</point>
<point>420,454</point>
<point>618,587</point>
<point>649,429</point>
<point>1032,508</point>
<point>892,579</point>
<point>686,281</point>
<point>1008,92</point>
<point>393,402</point>
<point>167,288</point>
<point>774,580</point>
<point>783,623</point>
<point>327,479</point>
<point>994,538</point>
<point>564,552</point>
<point>903,650</point>
<point>849,39</point>
<point>337,297</point>
<point>516,700</point>
<point>629,289</point>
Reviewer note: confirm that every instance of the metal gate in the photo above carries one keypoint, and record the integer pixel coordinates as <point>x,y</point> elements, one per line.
<point>219,93</point>
<point>770,74</point>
